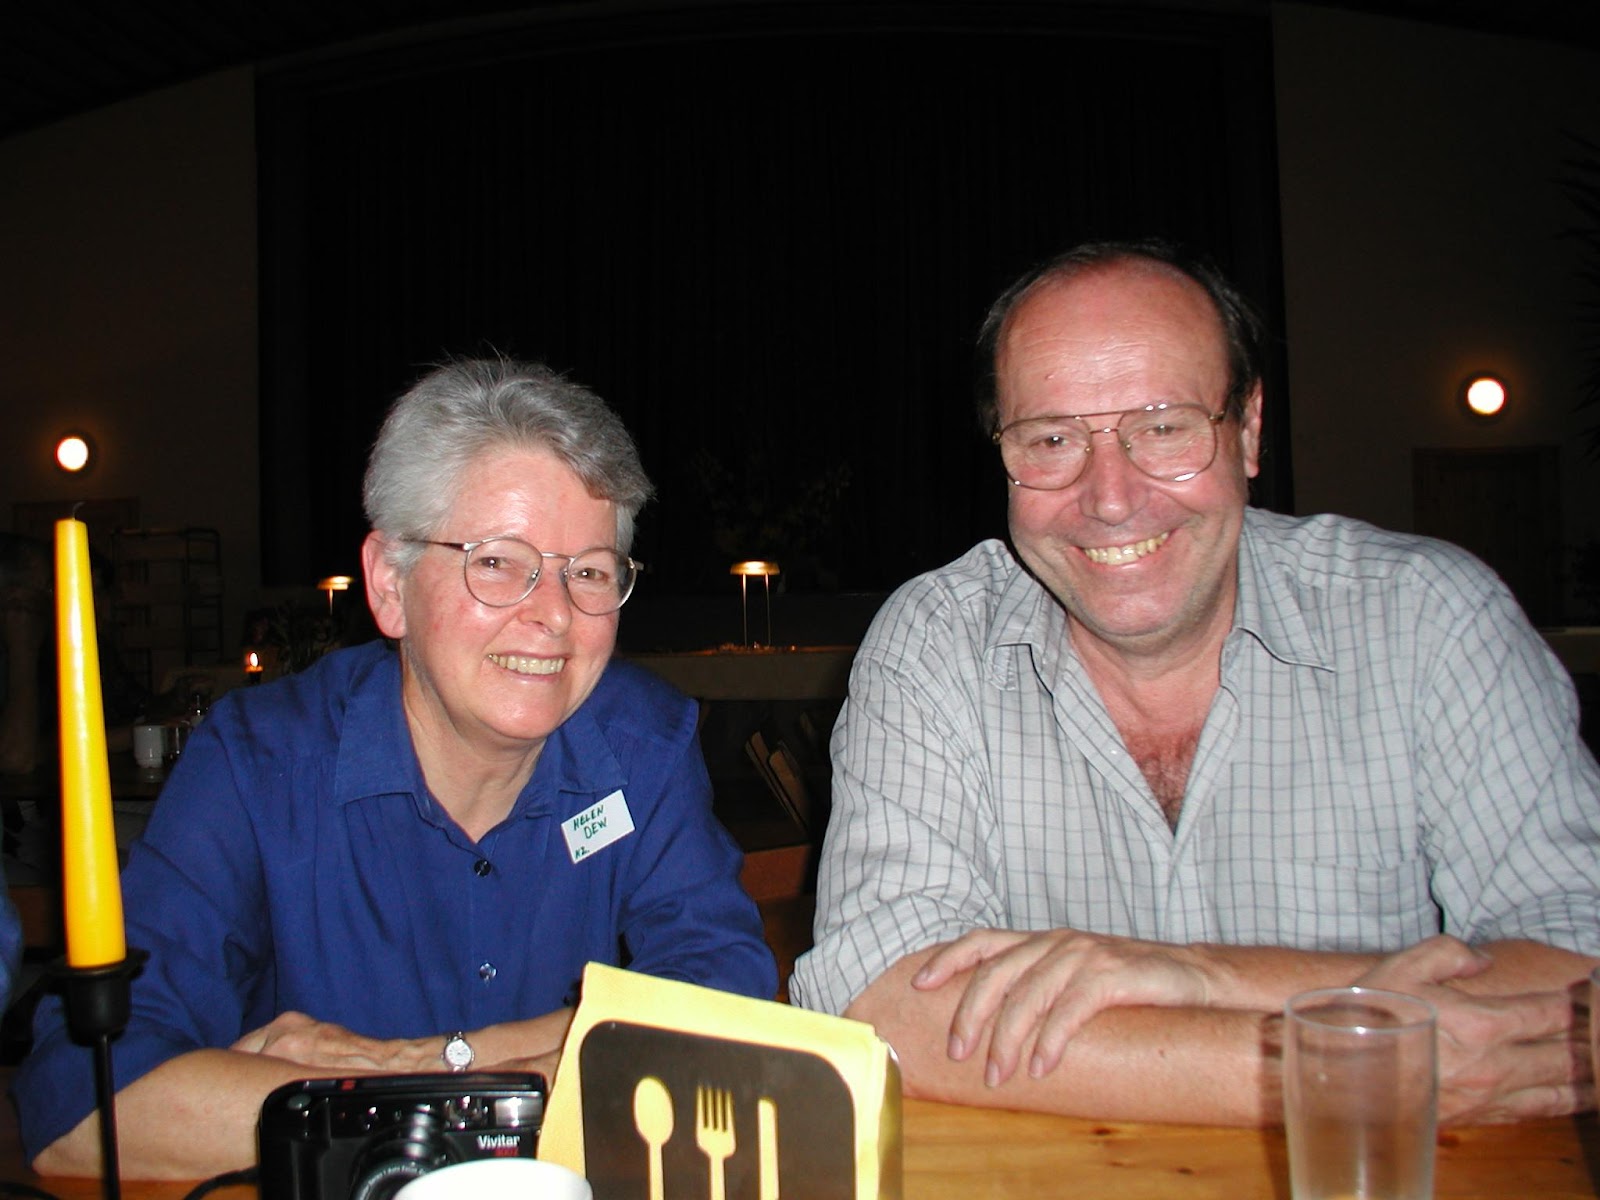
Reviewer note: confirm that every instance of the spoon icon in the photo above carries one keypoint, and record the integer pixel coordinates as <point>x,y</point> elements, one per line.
<point>652,1117</point>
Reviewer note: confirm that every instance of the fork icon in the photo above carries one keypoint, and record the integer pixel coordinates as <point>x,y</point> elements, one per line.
<point>713,1133</point>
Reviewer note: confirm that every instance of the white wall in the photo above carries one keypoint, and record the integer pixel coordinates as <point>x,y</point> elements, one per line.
<point>1422,214</point>
<point>128,308</point>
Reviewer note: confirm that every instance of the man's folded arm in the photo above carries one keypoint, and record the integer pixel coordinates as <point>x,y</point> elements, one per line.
<point>1506,1036</point>
<point>1211,1066</point>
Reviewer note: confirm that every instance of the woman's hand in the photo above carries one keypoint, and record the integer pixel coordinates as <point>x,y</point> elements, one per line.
<point>325,1048</point>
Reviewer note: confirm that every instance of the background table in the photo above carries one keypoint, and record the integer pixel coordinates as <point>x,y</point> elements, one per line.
<point>755,703</point>
<point>793,673</point>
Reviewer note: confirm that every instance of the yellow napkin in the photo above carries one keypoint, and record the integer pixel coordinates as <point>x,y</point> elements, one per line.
<point>666,1088</point>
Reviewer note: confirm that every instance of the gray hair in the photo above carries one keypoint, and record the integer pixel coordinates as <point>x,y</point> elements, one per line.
<point>467,408</point>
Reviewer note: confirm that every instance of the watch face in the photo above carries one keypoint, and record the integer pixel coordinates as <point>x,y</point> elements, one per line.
<point>457,1053</point>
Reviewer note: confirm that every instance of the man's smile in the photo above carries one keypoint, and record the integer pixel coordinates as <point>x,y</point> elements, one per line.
<point>523,665</point>
<point>1115,555</point>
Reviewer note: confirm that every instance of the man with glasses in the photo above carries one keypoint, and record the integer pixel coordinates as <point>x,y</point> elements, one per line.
<point>1106,796</point>
<point>401,859</point>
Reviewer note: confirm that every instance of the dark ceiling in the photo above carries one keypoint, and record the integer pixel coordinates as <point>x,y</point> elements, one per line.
<point>59,58</point>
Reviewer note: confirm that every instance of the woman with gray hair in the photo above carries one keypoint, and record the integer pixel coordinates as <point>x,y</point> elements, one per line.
<point>401,859</point>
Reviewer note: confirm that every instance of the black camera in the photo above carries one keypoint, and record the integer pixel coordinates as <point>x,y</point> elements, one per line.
<point>365,1137</point>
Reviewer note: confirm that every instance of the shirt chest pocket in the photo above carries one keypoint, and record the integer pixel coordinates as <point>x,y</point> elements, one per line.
<point>1323,904</point>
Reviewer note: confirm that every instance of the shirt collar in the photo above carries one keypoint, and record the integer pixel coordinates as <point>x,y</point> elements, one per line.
<point>1027,615</point>
<point>1267,609</point>
<point>1268,606</point>
<point>576,757</point>
<point>374,724</point>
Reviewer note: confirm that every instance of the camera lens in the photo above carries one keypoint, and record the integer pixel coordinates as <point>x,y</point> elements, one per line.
<point>396,1156</point>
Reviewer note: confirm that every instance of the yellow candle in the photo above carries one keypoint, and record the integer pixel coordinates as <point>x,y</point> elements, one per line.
<point>90,886</point>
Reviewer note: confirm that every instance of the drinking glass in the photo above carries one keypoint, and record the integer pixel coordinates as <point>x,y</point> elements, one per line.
<point>1360,1094</point>
<point>1594,1021</point>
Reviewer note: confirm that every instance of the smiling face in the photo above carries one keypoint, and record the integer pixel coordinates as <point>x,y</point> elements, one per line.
<point>1140,565</point>
<point>497,680</point>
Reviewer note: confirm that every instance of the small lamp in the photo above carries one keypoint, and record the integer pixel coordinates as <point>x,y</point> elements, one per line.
<point>1484,396</point>
<point>332,584</point>
<point>744,570</point>
<point>74,452</point>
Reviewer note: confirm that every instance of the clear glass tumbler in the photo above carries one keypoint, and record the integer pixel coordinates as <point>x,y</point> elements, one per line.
<point>1360,1094</point>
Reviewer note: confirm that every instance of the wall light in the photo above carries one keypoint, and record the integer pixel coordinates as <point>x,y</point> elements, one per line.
<point>74,452</point>
<point>1484,395</point>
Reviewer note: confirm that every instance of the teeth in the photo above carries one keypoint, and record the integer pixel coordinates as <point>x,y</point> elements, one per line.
<point>527,666</point>
<point>1114,555</point>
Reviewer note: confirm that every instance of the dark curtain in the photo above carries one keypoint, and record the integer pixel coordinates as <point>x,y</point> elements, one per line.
<point>766,238</point>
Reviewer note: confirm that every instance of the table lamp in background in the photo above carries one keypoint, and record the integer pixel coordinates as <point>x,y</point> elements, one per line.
<point>331,584</point>
<point>744,570</point>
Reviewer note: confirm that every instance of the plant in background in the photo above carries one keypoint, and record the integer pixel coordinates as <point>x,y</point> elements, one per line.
<point>300,633</point>
<point>761,512</point>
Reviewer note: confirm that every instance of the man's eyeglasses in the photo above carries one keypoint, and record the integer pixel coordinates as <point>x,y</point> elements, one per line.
<point>1170,442</point>
<point>503,571</point>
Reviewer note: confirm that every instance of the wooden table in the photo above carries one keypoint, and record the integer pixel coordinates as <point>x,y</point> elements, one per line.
<point>954,1153</point>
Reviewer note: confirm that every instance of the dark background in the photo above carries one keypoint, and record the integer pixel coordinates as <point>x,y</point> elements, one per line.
<point>768,243</point>
<point>766,231</point>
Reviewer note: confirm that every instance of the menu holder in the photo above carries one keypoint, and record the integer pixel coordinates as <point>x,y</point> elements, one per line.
<point>666,1088</point>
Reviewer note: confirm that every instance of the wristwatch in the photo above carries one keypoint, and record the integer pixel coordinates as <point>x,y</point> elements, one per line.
<point>457,1053</point>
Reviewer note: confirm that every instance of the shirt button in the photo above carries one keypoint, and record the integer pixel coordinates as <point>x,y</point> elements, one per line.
<point>482,867</point>
<point>486,972</point>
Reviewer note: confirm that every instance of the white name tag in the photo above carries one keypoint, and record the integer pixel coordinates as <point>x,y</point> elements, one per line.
<point>597,826</point>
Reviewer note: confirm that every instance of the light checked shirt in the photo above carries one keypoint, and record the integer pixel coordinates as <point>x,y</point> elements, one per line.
<point>1392,753</point>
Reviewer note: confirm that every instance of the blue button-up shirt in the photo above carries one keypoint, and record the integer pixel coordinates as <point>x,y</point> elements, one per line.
<point>296,861</point>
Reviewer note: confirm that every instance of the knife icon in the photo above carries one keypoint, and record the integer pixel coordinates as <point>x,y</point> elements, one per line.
<point>767,1144</point>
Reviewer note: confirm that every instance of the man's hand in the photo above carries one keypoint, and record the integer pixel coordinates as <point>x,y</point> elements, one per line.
<point>1501,1058</point>
<point>321,1046</point>
<point>1043,987</point>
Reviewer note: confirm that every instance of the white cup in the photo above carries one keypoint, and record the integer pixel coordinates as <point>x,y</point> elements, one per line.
<point>149,745</point>
<point>1360,1094</point>
<point>498,1179</point>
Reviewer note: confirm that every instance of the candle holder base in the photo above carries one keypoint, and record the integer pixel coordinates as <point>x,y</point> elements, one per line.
<point>98,1000</point>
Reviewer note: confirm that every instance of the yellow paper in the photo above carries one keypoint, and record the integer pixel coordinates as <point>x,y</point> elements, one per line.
<point>761,1094</point>
<point>90,884</point>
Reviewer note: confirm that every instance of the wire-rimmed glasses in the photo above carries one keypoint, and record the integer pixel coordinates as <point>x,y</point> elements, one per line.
<point>1170,442</point>
<point>503,571</point>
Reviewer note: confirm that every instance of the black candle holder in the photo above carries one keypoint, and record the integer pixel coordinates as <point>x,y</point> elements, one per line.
<point>98,1001</point>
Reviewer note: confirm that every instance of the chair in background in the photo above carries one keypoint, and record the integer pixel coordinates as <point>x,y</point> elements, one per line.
<point>778,767</point>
